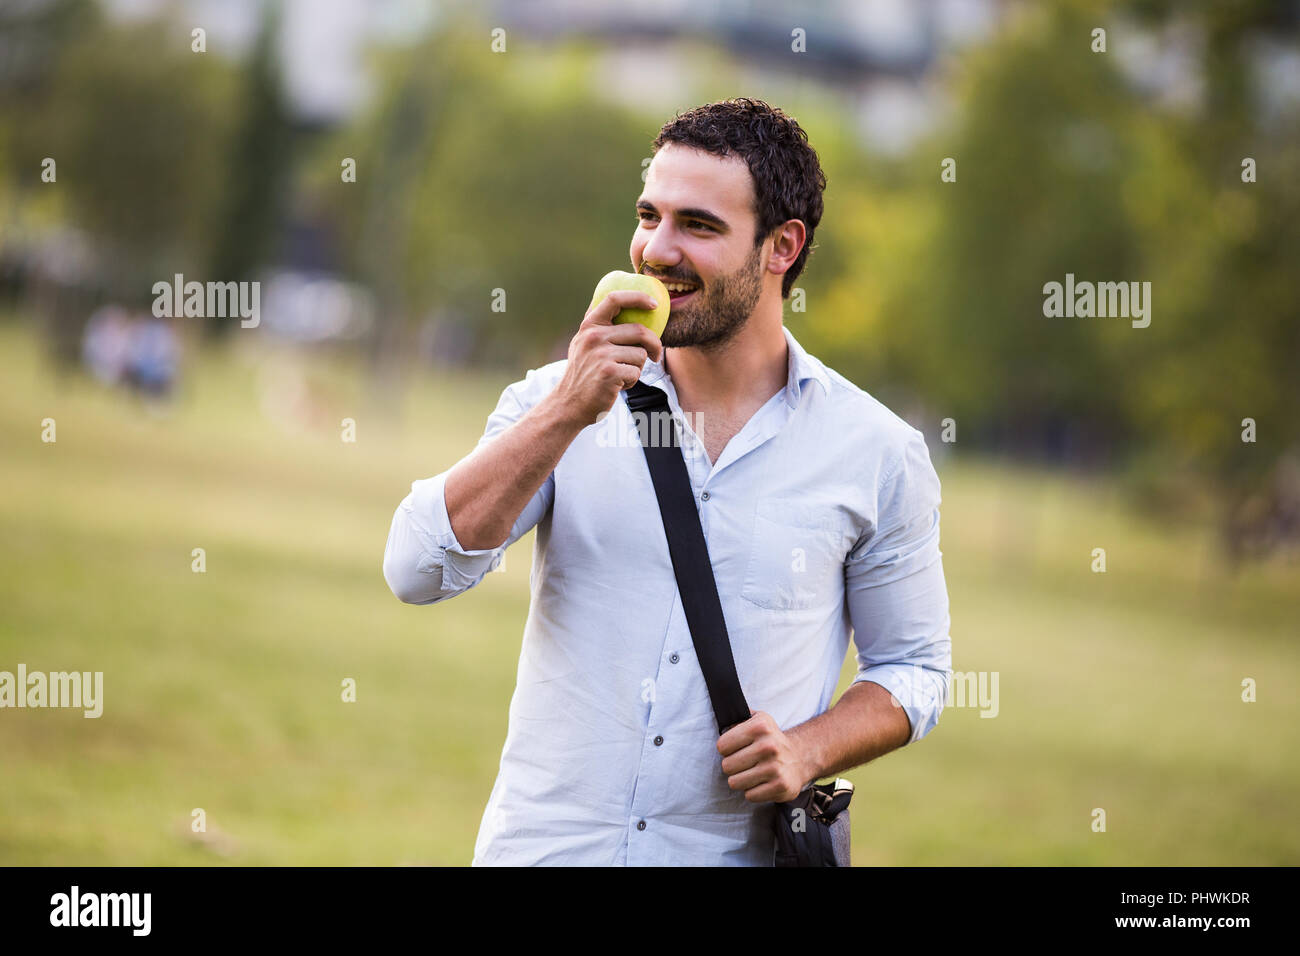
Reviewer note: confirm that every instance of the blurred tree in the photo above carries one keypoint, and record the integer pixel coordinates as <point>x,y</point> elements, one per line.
<point>257,175</point>
<point>1065,166</point>
<point>480,171</point>
<point>33,36</point>
<point>1040,157</point>
<point>1225,252</point>
<point>136,123</point>
<point>133,122</point>
<point>33,39</point>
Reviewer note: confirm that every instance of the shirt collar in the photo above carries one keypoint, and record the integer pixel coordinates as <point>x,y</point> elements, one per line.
<point>800,368</point>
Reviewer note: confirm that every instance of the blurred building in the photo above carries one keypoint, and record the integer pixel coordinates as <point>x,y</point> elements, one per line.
<point>876,56</point>
<point>878,59</point>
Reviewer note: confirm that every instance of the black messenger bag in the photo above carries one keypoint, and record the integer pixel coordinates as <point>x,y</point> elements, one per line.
<point>813,828</point>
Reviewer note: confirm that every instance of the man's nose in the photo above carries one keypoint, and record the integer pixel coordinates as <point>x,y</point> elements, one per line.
<point>661,252</point>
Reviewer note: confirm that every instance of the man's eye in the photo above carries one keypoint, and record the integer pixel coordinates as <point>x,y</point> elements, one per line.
<point>693,223</point>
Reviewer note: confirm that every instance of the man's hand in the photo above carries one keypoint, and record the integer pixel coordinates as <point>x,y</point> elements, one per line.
<point>605,358</point>
<point>760,759</point>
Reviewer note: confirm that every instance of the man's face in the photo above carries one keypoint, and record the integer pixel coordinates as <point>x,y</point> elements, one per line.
<point>696,226</point>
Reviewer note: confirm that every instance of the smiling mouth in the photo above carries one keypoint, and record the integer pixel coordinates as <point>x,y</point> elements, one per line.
<point>677,295</point>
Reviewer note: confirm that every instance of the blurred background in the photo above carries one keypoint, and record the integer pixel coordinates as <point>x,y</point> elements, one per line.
<point>198,508</point>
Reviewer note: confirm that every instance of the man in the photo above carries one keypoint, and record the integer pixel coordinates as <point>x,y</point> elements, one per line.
<point>819,507</point>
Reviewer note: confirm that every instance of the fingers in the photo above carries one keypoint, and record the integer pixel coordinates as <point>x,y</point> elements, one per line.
<point>601,317</point>
<point>630,355</point>
<point>630,374</point>
<point>603,312</point>
<point>634,333</point>
<point>626,335</point>
<point>751,778</point>
<point>741,735</point>
<point>603,355</point>
<point>744,759</point>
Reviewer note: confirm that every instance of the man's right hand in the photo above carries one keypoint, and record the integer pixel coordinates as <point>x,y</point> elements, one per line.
<point>605,358</point>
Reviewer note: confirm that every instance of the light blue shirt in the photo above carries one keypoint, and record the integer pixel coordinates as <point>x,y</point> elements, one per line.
<point>821,517</point>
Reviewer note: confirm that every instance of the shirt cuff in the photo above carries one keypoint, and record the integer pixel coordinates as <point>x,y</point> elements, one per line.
<point>919,690</point>
<point>460,568</point>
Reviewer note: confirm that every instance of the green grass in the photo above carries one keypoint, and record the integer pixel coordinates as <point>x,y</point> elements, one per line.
<point>222,690</point>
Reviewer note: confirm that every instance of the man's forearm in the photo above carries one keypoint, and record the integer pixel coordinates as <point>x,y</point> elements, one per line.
<point>865,723</point>
<point>487,491</point>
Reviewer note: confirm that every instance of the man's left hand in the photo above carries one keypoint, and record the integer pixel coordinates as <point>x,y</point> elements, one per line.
<point>760,759</point>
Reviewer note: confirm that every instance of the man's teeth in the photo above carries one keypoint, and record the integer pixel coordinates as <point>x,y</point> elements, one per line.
<point>676,287</point>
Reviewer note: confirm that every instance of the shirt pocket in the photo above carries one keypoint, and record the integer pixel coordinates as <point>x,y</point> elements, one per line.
<point>796,557</point>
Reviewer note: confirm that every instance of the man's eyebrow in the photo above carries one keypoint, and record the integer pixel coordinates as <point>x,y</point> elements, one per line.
<point>688,213</point>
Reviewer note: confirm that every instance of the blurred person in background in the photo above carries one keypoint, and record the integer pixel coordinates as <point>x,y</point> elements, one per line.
<point>106,344</point>
<point>152,357</point>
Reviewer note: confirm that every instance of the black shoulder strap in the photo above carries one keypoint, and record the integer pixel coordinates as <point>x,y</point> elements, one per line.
<point>690,554</point>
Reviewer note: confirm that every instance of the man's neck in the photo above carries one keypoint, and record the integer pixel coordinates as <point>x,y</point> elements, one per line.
<point>738,377</point>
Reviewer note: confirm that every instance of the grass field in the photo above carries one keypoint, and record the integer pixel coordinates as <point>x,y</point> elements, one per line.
<point>1120,691</point>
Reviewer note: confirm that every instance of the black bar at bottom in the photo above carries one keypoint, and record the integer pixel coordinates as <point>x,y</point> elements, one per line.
<point>925,905</point>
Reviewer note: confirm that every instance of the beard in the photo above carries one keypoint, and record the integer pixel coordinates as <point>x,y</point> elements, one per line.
<point>717,313</point>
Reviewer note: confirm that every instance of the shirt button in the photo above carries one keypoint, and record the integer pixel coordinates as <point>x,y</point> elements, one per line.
<point>659,741</point>
<point>641,825</point>
<point>704,497</point>
<point>673,658</point>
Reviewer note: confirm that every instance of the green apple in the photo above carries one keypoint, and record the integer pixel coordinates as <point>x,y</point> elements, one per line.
<point>653,319</point>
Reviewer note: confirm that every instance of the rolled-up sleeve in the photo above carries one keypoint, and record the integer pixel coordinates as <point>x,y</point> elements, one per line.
<point>896,593</point>
<point>424,562</point>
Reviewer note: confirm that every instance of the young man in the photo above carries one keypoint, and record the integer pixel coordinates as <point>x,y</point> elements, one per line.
<point>819,506</point>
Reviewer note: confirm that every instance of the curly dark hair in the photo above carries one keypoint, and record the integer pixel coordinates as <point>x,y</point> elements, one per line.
<point>788,178</point>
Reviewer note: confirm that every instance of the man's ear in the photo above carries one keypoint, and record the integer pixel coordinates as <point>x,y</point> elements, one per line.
<point>787,242</point>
